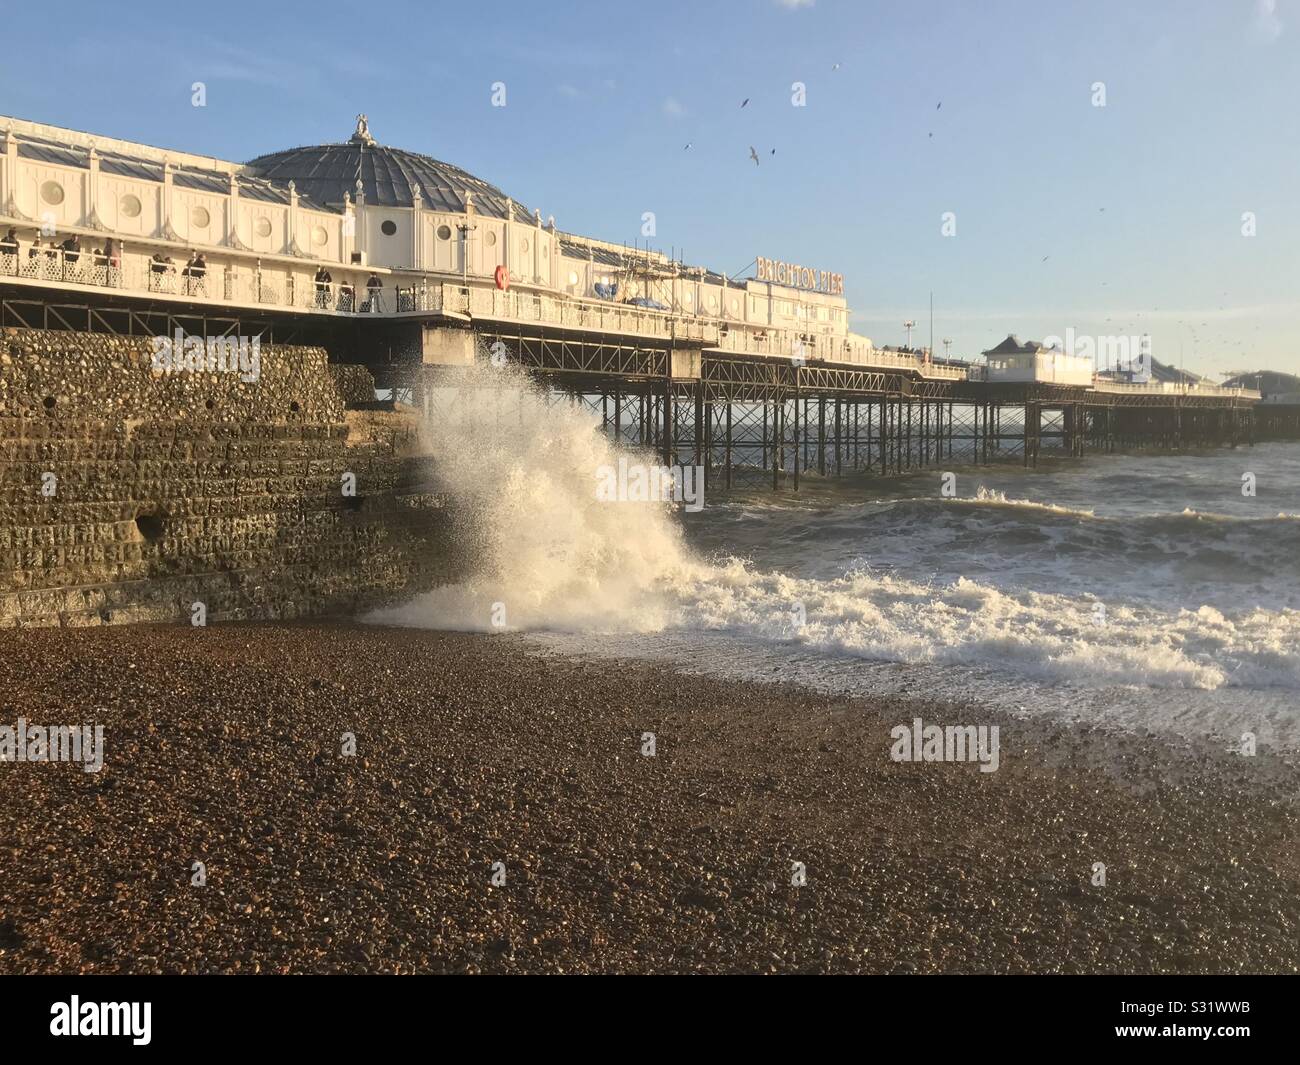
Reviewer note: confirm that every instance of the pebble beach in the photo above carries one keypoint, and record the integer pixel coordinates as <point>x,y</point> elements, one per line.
<point>499,815</point>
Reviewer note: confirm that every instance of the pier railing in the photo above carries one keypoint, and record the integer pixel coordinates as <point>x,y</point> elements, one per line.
<point>525,306</point>
<point>212,282</point>
<point>1172,388</point>
<point>237,284</point>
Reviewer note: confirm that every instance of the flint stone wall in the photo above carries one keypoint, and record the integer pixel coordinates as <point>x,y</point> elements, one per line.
<point>182,488</point>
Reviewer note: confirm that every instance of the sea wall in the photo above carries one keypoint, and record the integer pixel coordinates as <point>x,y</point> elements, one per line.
<point>129,494</point>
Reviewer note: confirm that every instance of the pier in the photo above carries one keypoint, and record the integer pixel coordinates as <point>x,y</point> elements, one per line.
<point>754,420</point>
<point>413,269</point>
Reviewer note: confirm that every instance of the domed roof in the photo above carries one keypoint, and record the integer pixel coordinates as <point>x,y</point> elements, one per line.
<point>327,172</point>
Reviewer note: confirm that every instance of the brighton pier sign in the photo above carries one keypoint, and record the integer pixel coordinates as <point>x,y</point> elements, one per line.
<point>797,276</point>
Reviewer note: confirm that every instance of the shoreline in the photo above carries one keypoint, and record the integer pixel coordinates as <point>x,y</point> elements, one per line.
<point>223,746</point>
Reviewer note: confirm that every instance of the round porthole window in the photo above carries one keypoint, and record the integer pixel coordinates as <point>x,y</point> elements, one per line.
<point>388,228</point>
<point>262,227</point>
<point>713,302</point>
<point>523,246</point>
<point>199,217</point>
<point>687,298</point>
<point>319,237</point>
<point>573,278</point>
<point>52,192</point>
<point>129,206</point>
<point>491,238</point>
<point>444,232</point>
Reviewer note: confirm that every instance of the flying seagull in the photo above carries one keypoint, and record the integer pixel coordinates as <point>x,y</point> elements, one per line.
<point>746,100</point>
<point>753,154</point>
<point>773,152</point>
<point>688,147</point>
<point>1046,257</point>
<point>938,105</point>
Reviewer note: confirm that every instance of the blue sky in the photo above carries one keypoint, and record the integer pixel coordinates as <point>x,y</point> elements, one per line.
<point>1067,214</point>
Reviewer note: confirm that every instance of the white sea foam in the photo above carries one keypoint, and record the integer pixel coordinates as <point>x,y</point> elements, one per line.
<point>520,472</point>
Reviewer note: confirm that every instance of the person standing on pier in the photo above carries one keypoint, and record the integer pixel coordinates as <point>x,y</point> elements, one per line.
<point>323,283</point>
<point>71,254</point>
<point>9,247</point>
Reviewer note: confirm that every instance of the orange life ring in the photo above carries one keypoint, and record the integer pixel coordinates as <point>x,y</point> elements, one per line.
<point>503,278</point>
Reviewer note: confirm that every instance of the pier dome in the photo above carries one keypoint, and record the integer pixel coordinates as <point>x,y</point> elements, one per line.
<point>328,172</point>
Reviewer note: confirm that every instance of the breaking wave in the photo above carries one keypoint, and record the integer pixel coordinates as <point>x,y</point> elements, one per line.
<point>1100,602</point>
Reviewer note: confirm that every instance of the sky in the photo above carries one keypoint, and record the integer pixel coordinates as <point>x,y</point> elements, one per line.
<point>1111,220</point>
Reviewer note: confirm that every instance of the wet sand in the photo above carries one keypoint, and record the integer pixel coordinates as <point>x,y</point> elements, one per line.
<point>223,745</point>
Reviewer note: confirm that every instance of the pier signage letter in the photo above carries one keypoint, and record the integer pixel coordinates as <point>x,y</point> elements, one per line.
<point>796,276</point>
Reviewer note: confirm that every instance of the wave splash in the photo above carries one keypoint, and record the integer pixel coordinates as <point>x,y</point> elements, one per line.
<point>520,468</point>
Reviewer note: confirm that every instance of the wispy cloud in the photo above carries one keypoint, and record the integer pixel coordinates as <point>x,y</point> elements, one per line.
<point>1268,24</point>
<point>673,108</point>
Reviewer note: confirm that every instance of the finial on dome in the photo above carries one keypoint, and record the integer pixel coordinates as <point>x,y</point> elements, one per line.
<point>362,133</point>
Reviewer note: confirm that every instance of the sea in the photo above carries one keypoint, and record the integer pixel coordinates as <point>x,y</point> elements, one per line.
<point>1146,592</point>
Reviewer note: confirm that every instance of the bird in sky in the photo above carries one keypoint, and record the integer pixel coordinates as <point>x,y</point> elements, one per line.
<point>688,147</point>
<point>753,154</point>
<point>835,67</point>
<point>1046,257</point>
<point>938,105</point>
<point>773,152</point>
<point>745,101</point>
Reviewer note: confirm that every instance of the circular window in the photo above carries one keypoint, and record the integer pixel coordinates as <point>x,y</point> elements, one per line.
<point>262,227</point>
<point>388,228</point>
<point>573,278</point>
<point>491,238</point>
<point>129,206</point>
<point>199,217</point>
<point>687,298</point>
<point>713,302</point>
<point>52,192</point>
<point>319,236</point>
<point>444,232</point>
<point>523,246</point>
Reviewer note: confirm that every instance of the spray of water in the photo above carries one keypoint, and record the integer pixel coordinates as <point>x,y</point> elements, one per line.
<point>520,466</point>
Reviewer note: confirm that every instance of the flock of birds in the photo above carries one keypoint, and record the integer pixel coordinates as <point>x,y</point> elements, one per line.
<point>753,152</point>
<point>754,157</point>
